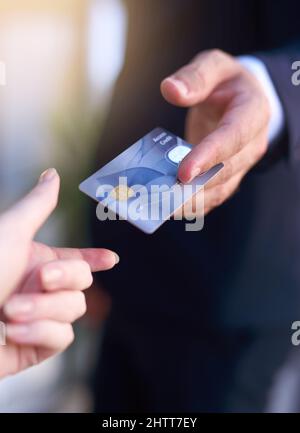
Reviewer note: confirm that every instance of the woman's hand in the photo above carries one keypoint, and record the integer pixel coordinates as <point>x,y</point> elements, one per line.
<point>40,286</point>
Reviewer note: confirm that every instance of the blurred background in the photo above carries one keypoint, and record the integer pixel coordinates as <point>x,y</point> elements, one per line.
<point>61,60</point>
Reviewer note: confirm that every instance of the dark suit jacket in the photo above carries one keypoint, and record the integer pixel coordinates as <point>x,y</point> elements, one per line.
<point>243,268</point>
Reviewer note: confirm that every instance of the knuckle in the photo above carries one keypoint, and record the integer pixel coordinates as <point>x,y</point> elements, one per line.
<point>195,71</point>
<point>41,272</point>
<point>220,194</point>
<point>219,179</point>
<point>266,112</point>
<point>228,171</point>
<point>268,115</point>
<point>261,149</point>
<point>90,279</point>
<point>262,105</point>
<point>38,330</point>
<point>76,306</point>
<point>31,357</point>
<point>87,277</point>
<point>238,136</point>
<point>70,336</point>
<point>37,301</point>
<point>217,154</point>
<point>217,55</point>
<point>213,202</point>
<point>209,202</point>
<point>87,282</point>
<point>200,77</point>
<point>197,205</point>
<point>82,304</point>
<point>86,267</point>
<point>215,150</point>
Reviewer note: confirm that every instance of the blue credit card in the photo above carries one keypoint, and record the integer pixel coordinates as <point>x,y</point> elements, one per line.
<point>141,184</point>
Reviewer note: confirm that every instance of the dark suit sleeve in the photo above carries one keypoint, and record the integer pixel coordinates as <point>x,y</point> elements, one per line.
<point>279,64</point>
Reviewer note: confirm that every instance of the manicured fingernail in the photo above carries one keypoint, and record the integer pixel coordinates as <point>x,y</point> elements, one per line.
<point>52,277</point>
<point>117,258</point>
<point>17,306</point>
<point>16,331</point>
<point>181,86</point>
<point>47,175</point>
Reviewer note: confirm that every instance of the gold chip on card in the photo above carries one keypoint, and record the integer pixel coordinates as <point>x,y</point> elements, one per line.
<point>122,193</point>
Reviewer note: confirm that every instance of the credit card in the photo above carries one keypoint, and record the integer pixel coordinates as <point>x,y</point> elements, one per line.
<point>141,186</point>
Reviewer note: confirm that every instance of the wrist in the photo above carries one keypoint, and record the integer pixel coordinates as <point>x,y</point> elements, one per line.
<point>259,70</point>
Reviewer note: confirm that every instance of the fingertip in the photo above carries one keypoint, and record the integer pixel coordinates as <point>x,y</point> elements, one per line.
<point>105,260</point>
<point>117,258</point>
<point>112,259</point>
<point>187,171</point>
<point>174,91</point>
<point>50,179</point>
<point>48,175</point>
<point>47,187</point>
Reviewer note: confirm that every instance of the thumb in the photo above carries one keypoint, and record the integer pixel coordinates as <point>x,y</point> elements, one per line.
<point>194,82</point>
<point>30,213</point>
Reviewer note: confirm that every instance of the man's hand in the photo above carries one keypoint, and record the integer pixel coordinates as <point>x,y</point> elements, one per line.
<point>227,121</point>
<point>41,287</point>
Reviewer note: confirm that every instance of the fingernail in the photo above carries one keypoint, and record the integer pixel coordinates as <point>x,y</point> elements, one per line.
<point>117,258</point>
<point>16,331</point>
<point>52,277</point>
<point>17,307</point>
<point>181,86</point>
<point>47,175</point>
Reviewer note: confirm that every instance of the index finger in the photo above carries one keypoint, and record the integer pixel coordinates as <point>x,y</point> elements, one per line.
<point>239,125</point>
<point>99,259</point>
